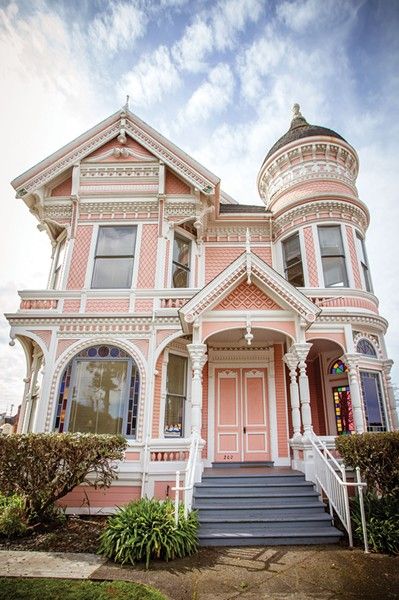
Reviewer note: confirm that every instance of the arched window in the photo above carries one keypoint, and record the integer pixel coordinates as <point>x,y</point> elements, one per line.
<point>99,393</point>
<point>338,367</point>
<point>365,347</point>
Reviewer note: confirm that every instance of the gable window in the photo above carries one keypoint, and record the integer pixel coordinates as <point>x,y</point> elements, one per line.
<point>113,262</point>
<point>181,263</point>
<point>58,264</point>
<point>293,268</point>
<point>365,347</point>
<point>99,393</point>
<point>373,401</point>
<point>176,396</point>
<point>332,256</point>
<point>361,251</point>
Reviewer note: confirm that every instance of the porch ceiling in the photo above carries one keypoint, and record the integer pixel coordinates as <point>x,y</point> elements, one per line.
<point>235,337</point>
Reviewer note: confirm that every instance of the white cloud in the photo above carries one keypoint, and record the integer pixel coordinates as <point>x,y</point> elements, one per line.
<point>194,46</point>
<point>212,96</point>
<point>300,15</point>
<point>151,78</point>
<point>232,16</point>
<point>119,28</point>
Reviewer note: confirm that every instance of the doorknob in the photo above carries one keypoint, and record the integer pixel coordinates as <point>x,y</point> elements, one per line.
<point>244,429</point>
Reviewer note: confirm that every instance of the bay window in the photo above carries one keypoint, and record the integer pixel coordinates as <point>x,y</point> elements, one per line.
<point>293,268</point>
<point>114,257</point>
<point>181,262</point>
<point>175,396</point>
<point>332,256</point>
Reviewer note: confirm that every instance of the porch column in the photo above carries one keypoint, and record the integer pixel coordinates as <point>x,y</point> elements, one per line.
<point>352,361</point>
<point>387,366</point>
<point>292,363</point>
<point>198,360</point>
<point>301,351</point>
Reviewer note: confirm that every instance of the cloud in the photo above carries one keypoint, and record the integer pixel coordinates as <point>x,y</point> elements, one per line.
<point>119,28</point>
<point>151,78</point>
<point>300,15</point>
<point>195,44</point>
<point>212,96</point>
<point>232,16</point>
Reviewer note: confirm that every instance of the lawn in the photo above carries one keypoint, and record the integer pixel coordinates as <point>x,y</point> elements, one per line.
<point>62,589</point>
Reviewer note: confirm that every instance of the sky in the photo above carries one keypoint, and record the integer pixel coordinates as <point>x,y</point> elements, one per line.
<point>218,78</point>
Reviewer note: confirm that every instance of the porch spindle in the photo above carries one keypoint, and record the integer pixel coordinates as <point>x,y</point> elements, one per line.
<point>302,350</point>
<point>292,363</point>
<point>198,360</point>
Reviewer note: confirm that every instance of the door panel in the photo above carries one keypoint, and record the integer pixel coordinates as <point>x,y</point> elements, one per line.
<point>241,424</point>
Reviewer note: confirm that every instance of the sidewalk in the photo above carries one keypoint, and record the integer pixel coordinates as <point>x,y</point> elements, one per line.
<point>273,573</point>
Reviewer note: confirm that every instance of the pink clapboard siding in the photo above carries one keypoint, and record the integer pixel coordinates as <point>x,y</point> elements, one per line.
<point>87,496</point>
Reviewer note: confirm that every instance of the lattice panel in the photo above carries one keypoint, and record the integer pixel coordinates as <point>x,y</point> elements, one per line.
<point>247,297</point>
<point>311,257</point>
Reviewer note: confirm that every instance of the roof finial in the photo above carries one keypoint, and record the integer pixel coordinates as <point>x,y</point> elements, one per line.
<point>126,107</point>
<point>296,111</point>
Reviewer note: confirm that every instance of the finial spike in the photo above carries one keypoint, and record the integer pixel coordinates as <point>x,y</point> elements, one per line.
<point>248,241</point>
<point>126,107</point>
<point>296,111</point>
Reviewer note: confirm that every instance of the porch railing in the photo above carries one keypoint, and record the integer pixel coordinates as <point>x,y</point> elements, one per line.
<point>330,477</point>
<point>188,478</point>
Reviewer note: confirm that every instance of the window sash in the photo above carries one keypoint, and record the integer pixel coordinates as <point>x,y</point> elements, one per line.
<point>373,401</point>
<point>178,266</point>
<point>364,262</point>
<point>333,256</point>
<point>176,383</point>
<point>113,267</point>
<point>293,266</point>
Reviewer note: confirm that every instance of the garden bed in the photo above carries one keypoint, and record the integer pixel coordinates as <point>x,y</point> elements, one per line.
<point>78,534</point>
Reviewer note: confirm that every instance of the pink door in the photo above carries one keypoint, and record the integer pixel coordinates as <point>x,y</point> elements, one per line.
<point>241,427</point>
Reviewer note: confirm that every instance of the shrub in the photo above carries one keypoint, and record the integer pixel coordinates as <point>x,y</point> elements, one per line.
<point>382,516</point>
<point>377,456</point>
<point>44,467</point>
<point>13,521</point>
<point>144,530</point>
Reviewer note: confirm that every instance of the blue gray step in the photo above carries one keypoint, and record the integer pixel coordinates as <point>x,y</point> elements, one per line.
<point>250,498</point>
<point>243,465</point>
<point>275,538</point>
<point>220,489</point>
<point>251,479</point>
<point>260,511</point>
<point>265,524</point>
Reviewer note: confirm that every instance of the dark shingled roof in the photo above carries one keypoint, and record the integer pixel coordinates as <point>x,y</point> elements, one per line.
<point>299,129</point>
<point>241,208</point>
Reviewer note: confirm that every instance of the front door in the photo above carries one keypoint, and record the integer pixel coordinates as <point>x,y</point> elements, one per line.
<point>241,422</point>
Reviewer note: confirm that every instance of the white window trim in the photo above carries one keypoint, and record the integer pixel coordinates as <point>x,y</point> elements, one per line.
<point>60,239</point>
<point>348,263</point>
<point>367,369</point>
<point>185,235</point>
<point>164,393</point>
<point>358,234</point>
<point>280,254</point>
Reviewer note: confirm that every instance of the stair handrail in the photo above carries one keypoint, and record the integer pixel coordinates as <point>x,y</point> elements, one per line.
<point>335,486</point>
<point>188,478</point>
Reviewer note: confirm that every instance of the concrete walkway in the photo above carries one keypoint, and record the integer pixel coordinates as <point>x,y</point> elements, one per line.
<point>58,565</point>
<point>279,573</point>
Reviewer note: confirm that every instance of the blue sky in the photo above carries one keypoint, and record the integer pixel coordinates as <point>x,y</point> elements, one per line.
<point>219,79</point>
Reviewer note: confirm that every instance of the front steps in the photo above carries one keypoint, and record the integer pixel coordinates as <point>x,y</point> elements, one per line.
<point>260,506</point>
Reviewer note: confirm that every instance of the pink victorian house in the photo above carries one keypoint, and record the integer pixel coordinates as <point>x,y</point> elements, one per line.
<point>172,310</point>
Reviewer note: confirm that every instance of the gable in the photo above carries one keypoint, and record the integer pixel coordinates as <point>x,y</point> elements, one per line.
<point>130,151</point>
<point>247,297</point>
<point>174,185</point>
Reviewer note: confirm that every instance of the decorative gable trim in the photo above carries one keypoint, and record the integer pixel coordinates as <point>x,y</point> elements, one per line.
<point>247,297</point>
<point>248,267</point>
<point>122,122</point>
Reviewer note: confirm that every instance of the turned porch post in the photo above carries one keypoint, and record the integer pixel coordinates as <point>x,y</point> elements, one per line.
<point>292,363</point>
<point>391,402</point>
<point>301,351</point>
<point>352,361</point>
<point>198,360</point>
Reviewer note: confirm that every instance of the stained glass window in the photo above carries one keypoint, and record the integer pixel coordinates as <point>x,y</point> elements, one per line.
<point>343,409</point>
<point>101,400</point>
<point>366,347</point>
<point>338,368</point>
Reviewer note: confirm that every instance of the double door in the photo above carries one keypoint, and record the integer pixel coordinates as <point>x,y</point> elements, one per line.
<point>241,415</point>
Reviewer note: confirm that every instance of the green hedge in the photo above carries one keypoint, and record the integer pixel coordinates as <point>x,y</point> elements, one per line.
<point>13,518</point>
<point>44,467</point>
<point>146,530</point>
<point>377,456</point>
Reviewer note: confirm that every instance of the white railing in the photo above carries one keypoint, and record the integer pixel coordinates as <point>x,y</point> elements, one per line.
<point>188,478</point>
<point>330,477</point>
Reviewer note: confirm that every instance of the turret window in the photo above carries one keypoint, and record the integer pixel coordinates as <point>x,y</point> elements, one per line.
<point>361,249</point>
<point>293,268</point>
<point>332,256</point>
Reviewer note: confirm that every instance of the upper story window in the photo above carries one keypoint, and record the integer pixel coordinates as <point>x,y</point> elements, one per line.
<point>113,261</point>
<point>58,264</point>
<point>361,250</point>
<point>365,347</point>
<point>332,256</point>
<point>181,262</point>
<point>293,268</point>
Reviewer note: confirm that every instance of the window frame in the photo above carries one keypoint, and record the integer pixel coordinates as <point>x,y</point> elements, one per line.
<point>342,256</point>
<point>107,256</point>
<point>56,284</point>
<point>183,397</point>
<point>284,264</point>
<point>381,400</point>
<point>188,268</point>
<point>364,262</point>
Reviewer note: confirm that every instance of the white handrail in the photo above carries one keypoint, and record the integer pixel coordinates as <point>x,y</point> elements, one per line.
<point>189,475</point>
<point>333,483</point>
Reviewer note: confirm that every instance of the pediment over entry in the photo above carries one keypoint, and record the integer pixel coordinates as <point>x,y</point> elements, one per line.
<point>248,283</point>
